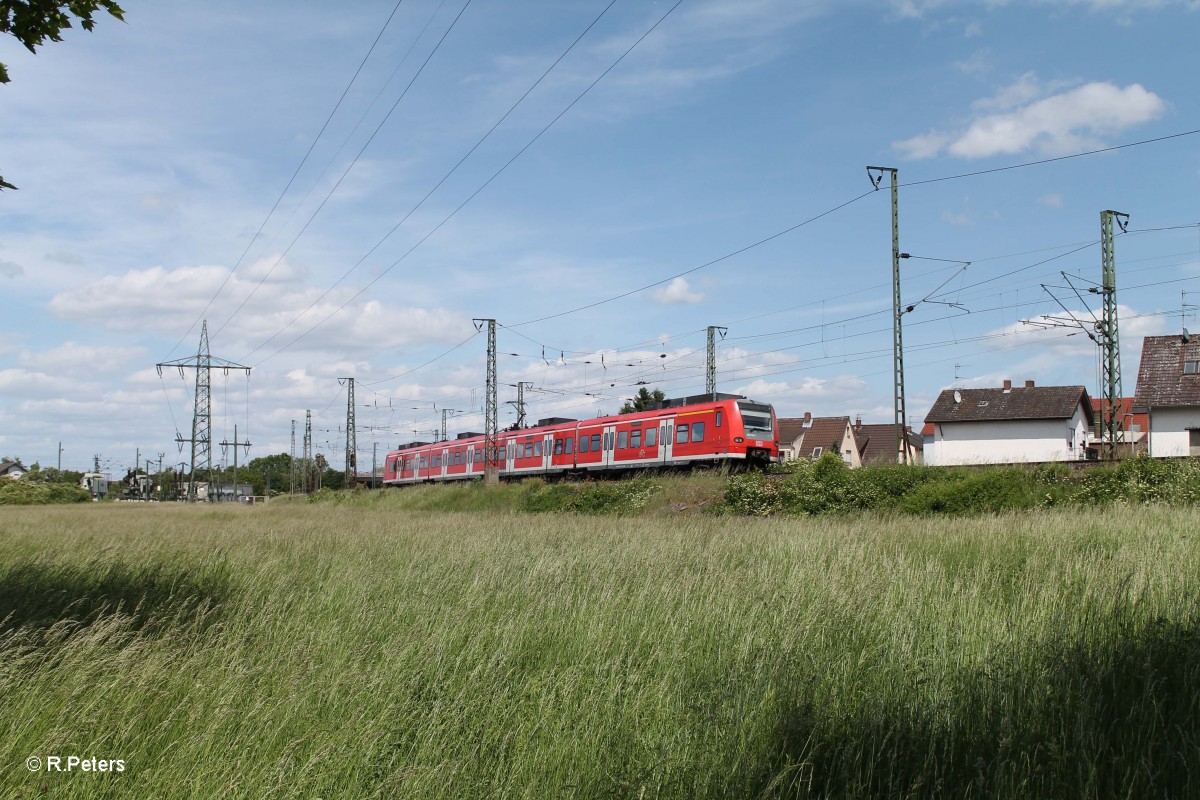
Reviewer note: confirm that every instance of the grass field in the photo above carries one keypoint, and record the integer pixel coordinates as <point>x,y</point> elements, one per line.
<point>318,651</point>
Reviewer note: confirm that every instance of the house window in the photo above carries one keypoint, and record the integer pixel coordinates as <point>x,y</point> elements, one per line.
<point>1194,442</point>
<point>1191,368</point>
<point>817,451</point>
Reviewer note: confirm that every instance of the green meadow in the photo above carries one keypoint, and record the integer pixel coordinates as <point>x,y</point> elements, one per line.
<point>383,650</point>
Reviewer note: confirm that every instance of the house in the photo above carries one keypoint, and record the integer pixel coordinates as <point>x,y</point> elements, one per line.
<point>1168,393</point>
<point>1029,424</point>
<point>1134,427</point>
<point>877,443</point>
<point>12,469</point>
<point>791,434</point>
<point>827,434</point>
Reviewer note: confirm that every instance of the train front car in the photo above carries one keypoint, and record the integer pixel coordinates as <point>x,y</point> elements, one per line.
<point>759,435</point>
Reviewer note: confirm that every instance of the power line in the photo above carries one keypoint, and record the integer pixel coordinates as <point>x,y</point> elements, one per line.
<point>474,194</point>
<point>292,179</point>
<point>346,172</point>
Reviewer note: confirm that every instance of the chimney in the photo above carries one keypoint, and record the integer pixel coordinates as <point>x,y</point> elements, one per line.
<point>807,417</point>
<point>1007,385</point>
<point>1028,384</point>
<point>858,423</point>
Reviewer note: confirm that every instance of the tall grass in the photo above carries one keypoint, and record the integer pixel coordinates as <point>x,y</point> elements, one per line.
<point>322,651</point>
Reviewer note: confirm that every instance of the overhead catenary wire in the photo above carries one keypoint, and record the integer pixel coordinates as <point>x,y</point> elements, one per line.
<point>292,179</point>
<point>475,193</point>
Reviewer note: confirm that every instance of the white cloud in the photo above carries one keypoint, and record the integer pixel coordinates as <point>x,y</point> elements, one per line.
<point>1053,200</point>
<point>1060,123</point>
<point>165,298</point>
<point>676,293</point>
<point>75,358</point>
<point>11,269</point>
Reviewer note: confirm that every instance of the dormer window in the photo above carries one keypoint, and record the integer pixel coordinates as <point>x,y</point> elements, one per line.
<point>1191,368</point>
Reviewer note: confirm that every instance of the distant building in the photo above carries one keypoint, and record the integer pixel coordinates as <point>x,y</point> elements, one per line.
<point>1134,427</point>
<point>1168,393</point>
<point>1008,425</point>
<point>791,435</point>
<point>12,469</point>
<point>820,435</point>
<point>877,443</point>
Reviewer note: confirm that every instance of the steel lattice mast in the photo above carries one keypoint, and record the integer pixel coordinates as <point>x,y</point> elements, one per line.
<point>1113,420</point>
<point>491,467</point>
<point>351,473</point>
<point>710,372</point>
<point>201,439</point>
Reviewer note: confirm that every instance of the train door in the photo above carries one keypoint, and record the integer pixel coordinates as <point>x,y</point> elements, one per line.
<point>547,451</point>
<point>666,435</point>
<point>610,445</point>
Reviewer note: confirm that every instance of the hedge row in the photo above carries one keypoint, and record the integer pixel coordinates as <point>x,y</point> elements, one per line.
<point>828,486</point>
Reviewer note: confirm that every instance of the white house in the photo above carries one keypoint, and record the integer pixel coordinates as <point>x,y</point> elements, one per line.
<point>1031,424</point>
<point>12,469</point>
<point>1168,392</point>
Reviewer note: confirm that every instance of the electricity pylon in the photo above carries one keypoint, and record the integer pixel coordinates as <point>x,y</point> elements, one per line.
<point>201,439</point>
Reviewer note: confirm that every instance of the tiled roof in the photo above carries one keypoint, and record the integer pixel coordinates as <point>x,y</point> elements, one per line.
<point>790,429</point>
<point>877,443</point>
<point>1161,381</point>
<point>1031,402</point>
<point>824,432</point>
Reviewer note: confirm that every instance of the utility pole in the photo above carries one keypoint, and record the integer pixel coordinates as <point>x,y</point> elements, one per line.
<point>201,439</point>
<point>307,462</point>
<point>520,402</point>
<point>491,466</point>
<point>60,457</point>
<point>710,374</point>
<point>374,463</point>
<point>293,460</point>
<point>236,444</point>
<point>446,412</point>
<point>1113,420</point>
<point>900,417</point>
<point>351,473</point>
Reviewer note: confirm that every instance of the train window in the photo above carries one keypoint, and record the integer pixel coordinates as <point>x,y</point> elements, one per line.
<point>569,447</point>
<point>558,446</point>
<point>537,449</point>
<point>651,437</point>
<point>718,418</point>
<point>623,440</point>
<point>681,434</point>
<point>697,431</point>
<point>635,438</point>
<point>595,441</point>
<point>583,444</point>
<point>529,450</point>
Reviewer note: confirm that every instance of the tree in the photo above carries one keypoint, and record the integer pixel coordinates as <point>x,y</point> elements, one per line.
<point>32,22</point>
<point>643,401</point>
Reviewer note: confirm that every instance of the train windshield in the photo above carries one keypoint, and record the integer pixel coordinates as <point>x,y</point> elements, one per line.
<point>758,419</point>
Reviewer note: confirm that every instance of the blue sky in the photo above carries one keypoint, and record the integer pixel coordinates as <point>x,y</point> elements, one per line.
<point>150,153</point>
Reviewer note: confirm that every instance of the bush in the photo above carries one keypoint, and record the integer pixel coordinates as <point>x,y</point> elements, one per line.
<point>25,493</point>
<point>987,491</point>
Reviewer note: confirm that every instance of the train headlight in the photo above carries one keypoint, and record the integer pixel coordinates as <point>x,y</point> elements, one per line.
<point>738,440</point>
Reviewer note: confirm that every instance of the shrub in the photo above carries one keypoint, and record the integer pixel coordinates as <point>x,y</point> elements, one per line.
<point>26,493</point>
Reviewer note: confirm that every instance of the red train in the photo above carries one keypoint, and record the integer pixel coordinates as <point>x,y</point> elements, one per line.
<point>685,432</point>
